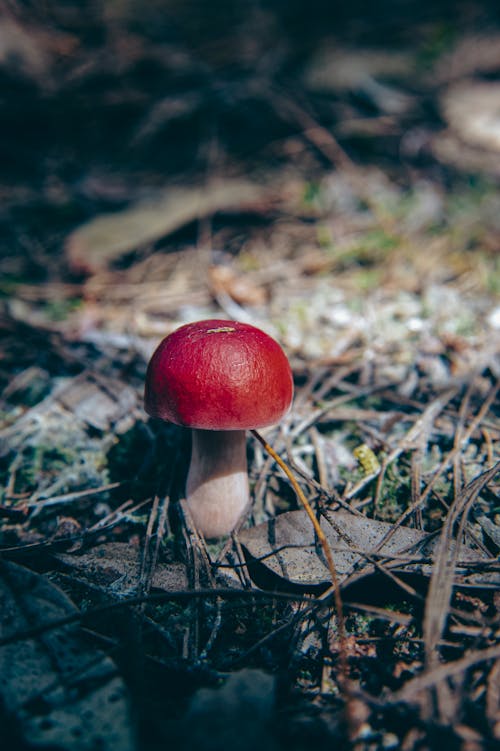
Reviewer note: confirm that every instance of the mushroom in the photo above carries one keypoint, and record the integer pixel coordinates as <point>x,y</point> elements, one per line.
<point>219,378</point>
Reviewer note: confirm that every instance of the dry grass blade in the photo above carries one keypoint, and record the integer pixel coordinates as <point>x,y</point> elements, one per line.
<point>72,497</point>
<point>152,542</point>
<point>326,552</point>
<point>417,435</point>
<point>415,439</point>
<point>441,584</point>
<point>305,503</point>
<point>446,462</point>
<point>493,695</point>
<point>181,595</point>
<point>323,140</point>
<point>414,687</point>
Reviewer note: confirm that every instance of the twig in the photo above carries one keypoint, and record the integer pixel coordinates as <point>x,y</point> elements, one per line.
<point>326,552</point>
<point>183,594</point>
<point>414,687</point>
<point>324,141</point>
<point>77,495</point>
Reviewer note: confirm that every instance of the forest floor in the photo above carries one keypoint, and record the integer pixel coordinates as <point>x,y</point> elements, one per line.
<point>338,189</point>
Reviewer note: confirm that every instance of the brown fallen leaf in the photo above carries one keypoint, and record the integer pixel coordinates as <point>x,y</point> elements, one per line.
<point>96,244</point>
<point>472,54</point>
<point>472,140</point>
<point>114,564</point>
<point>286,548</point>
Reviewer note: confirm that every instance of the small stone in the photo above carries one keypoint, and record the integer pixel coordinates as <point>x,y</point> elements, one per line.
<point>494,318</point>
<point>390,740</point>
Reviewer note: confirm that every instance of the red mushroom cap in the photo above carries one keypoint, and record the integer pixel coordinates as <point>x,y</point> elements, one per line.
<point>219,375</point>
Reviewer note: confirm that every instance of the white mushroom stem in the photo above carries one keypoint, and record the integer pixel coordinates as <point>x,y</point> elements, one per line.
<point>217,491</point>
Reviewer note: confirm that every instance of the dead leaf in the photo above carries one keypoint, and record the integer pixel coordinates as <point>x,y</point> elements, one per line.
<point>61,692</point>
<point>286,547</point>
<point>449,149</point>
<point>337,69</point>
<point>363,71</point>
<point>472,140</point>
<point>471,110</point>
<point>96,244</point>
<point>241,289</point>
<point>98,401</point>
<point>471,54</point>
<point>20,50</point>
<point>118,563</point>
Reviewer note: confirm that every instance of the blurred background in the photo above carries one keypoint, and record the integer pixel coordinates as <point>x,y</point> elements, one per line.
<point>249,115</point>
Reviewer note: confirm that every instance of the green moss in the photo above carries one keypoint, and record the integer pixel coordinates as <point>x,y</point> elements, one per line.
<point>368,279</point>
<point>395,495</point>
<point>368,251</point>
<point>440,39</point>
<point>311,196</point>
<point>59,310</point>
<point>10,283</point>
<point>324,236</point>
<point>491,274</point>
